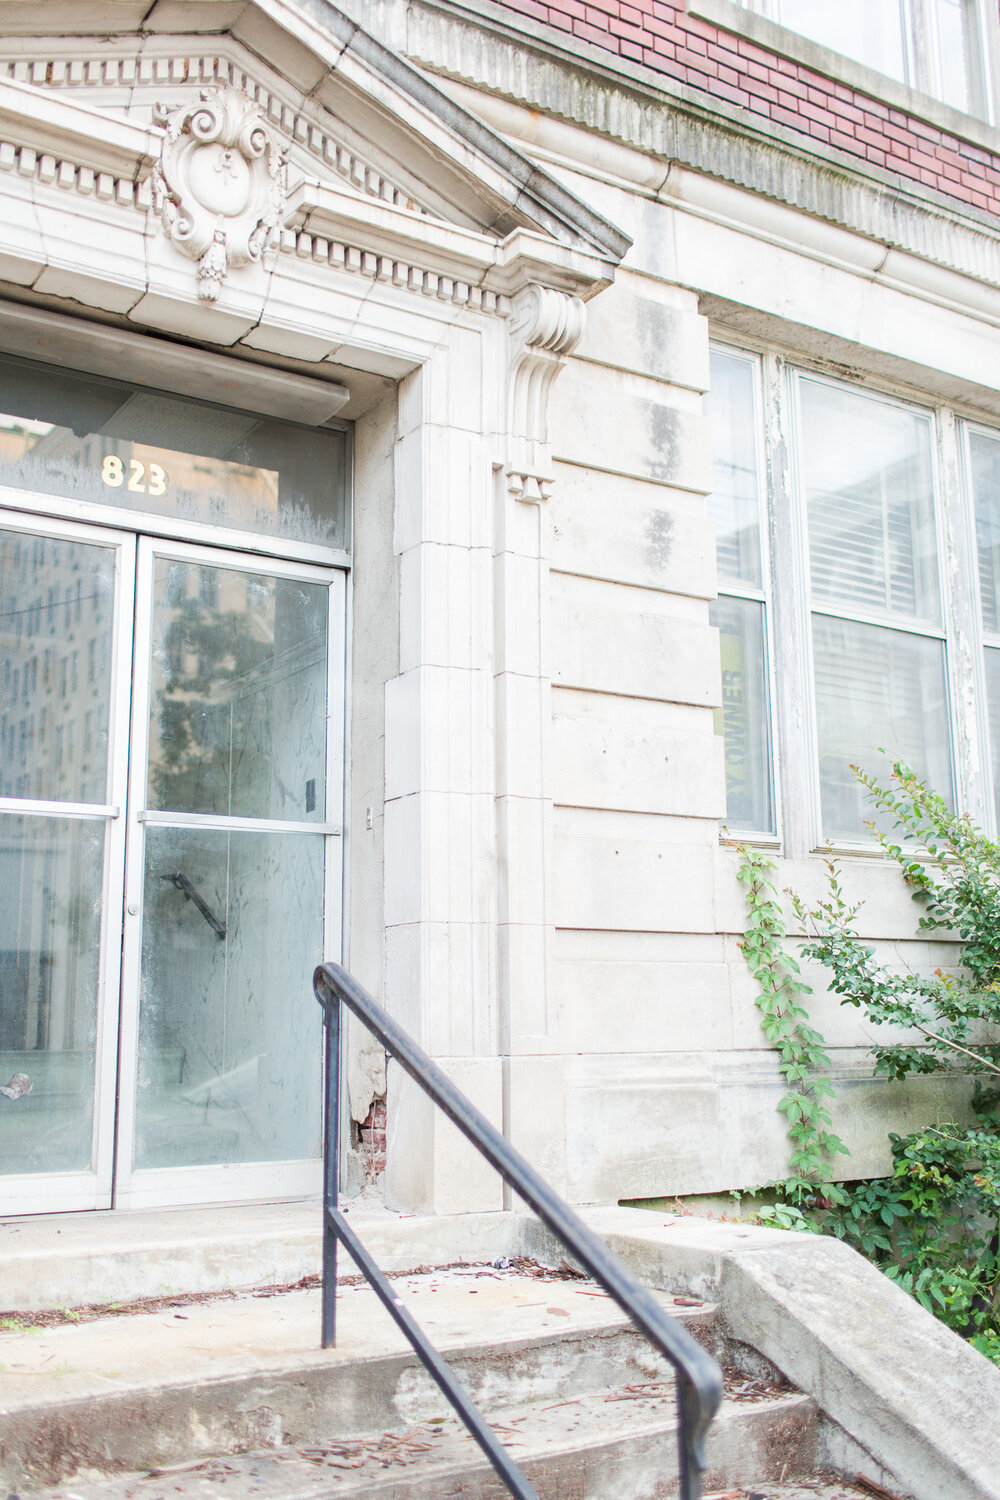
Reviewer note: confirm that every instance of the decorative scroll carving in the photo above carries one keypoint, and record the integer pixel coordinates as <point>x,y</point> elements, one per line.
<point>545,326</point>
<point>219,186</point>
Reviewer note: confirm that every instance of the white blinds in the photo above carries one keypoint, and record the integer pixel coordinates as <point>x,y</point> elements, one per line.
<point>867,482</point>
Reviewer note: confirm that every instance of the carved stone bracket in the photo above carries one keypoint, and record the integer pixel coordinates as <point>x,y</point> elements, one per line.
<point>219,186</point>
<point>545,326</point>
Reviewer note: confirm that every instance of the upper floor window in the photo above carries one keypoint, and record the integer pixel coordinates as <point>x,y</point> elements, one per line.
<point>935,46</point>
<point>858,544</point>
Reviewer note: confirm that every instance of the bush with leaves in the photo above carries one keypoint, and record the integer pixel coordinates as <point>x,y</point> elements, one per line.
<point>932,1225</point>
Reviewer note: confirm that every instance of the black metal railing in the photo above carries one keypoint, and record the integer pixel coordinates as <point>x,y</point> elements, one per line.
<point>699,1379</point>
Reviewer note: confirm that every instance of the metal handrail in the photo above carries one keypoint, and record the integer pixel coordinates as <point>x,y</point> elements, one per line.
<point>699,1379</point>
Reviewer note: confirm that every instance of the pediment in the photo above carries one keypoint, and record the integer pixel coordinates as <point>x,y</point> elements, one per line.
<point>357,124</point>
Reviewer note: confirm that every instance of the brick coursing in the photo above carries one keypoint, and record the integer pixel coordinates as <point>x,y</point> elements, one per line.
<point>661,36</point>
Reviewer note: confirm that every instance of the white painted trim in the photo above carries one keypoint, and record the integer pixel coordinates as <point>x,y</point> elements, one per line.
<point>34,505</point>
<point>48,1193</point>
<point>30,807</point>
<point>219,1183</point>
<point>246,825</point>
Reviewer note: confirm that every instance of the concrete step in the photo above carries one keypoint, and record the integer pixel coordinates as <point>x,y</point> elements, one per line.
<point>64,1260</point>
<point>552,1362</point>
<point>615,1445</point>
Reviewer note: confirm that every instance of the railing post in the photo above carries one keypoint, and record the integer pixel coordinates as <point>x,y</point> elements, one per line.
<point>331,1163</point>
<point>699,1378</point>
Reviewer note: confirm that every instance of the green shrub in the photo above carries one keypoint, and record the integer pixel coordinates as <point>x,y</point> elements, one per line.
<point>932,1226</point>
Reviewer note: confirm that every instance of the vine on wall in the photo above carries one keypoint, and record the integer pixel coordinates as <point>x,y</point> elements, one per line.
<point>801,1052</point>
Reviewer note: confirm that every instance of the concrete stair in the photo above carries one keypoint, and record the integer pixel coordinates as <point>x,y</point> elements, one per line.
<point>234,1394</point>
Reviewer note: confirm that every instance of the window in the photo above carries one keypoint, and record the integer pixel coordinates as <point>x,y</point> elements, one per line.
<point>741,611</point>
<point>868,493</point>
<point>936,46</point>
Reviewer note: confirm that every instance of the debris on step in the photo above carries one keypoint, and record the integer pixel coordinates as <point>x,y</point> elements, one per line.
<point>825,1486</point>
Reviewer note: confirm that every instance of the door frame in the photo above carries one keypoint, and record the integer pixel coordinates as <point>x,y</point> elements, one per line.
<point>172,1186</point>
<point>58,1192</point>
<point>112,1184</point>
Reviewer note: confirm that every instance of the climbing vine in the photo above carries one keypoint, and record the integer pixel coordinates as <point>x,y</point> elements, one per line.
<point>932,1226</point>
<point>801,1053</point>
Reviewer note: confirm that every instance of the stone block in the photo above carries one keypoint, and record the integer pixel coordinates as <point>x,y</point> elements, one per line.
<point>609,639</point>
<point>430,1166</point>
<point>633,1121</point>
<point>436,739</point>
<point>630,754</point>
<point>438,857</point>
<point>440,982</point>
<point>634,326</point>
<point>617,871</point>
<point>444,607</point>
<point>604,419</point>
<point>674,989</point>
<point>607,526</point>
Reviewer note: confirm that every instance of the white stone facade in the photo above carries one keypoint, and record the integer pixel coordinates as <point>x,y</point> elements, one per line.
<point>515,312</point>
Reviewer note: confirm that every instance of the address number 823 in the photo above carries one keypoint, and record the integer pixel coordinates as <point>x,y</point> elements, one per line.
<point>142,479</point>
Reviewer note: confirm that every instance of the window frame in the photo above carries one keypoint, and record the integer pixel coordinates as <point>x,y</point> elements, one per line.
<point>984,640</point>
<point>762,595</point>
<point>746,20</point>
<point>794,371</point>
<point>789,606</point>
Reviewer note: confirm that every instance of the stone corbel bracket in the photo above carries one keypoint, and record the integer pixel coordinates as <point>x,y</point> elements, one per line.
<point>545,327</point>
<point>219,185</point>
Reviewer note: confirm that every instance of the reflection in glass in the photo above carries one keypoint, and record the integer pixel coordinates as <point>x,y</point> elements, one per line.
<point>734,504</point>
<point>51,872</point>
<point>238,700</point>
<point>957,52</point>
<point>56,617</point>
<point>876,689</point>
<point>867,476</point>
<point>230,1044</point>
<point>743,718</point>
<point>870,31</point>
<point>64,433</point>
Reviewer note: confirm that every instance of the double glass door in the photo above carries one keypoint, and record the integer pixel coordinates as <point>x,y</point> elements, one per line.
<point>171,739</point>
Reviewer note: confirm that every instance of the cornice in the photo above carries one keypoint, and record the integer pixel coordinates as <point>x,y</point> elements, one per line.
<point>572,81</point>
<point>334,62</point>
<point>170,66</point>
<point>114,162</point>
<point>62,129</point>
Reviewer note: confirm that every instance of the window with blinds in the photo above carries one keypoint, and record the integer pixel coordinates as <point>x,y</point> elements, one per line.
<point>866,482</point>
<point>863,640</point>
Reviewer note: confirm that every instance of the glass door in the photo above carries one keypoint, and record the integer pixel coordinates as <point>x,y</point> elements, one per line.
<point>233,880</point>
<point>66,596</point>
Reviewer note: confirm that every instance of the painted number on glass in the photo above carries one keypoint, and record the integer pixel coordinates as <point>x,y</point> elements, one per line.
<point>141,479</point>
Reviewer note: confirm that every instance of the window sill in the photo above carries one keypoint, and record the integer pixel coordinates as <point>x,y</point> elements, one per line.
<point>799,49</point>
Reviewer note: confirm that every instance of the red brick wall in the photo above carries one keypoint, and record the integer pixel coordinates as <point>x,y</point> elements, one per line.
<point>661,36</point>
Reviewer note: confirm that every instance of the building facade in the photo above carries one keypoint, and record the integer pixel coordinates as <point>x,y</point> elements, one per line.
<point>461,467</point>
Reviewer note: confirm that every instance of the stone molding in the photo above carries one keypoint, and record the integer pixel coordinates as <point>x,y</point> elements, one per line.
<point>25,161</point>
<point>545,327</point>
<point>564,78</point>
<point>212,69</point>
<point>386,269</point>
<point>219,185</point>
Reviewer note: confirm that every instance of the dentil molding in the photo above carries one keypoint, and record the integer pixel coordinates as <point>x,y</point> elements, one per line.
<point>219,185</point>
